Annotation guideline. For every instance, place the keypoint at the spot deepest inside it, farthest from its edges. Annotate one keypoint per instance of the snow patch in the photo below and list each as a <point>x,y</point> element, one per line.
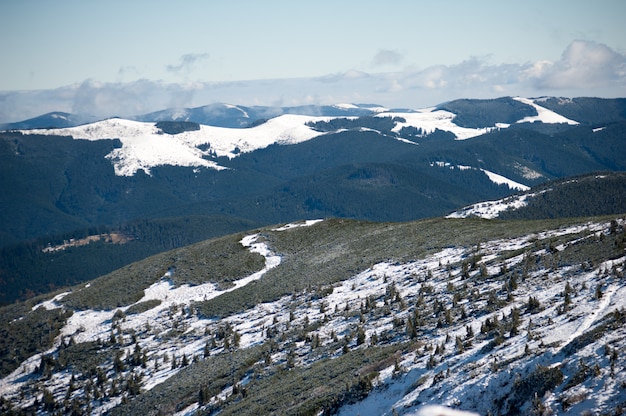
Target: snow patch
<point>346,106</point>
<point>434,410</point>
<point>432,119</point>
<point>307,223</point>
<point>494,177</point>
<point>234,107</point>
<point>543,114</point>
<point>500,180</point>
<point>52,303</point>
<point>492,209</point>
<point>144,146</point>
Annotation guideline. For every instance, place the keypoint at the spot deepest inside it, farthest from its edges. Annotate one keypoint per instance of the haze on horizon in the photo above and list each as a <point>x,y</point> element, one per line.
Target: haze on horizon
<point>126,58</point>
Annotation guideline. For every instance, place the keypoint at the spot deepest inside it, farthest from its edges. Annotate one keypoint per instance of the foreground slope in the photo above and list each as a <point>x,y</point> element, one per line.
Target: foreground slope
<point>338,316</point>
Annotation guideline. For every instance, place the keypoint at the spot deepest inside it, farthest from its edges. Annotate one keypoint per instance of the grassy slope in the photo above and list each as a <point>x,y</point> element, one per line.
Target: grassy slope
<point>312,258</point>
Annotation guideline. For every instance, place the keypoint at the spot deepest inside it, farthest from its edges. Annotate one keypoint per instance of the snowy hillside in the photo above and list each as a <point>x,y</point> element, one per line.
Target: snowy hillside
<point>354,318</point>
<point>594,194</point>
<point>144,146</point>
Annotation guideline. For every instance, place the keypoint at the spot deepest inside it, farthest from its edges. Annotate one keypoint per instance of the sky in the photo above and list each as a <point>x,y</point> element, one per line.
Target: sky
<point>131,57</point>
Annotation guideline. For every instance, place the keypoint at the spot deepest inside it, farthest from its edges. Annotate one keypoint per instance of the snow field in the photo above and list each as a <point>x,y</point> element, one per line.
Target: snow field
<point>543,114</point>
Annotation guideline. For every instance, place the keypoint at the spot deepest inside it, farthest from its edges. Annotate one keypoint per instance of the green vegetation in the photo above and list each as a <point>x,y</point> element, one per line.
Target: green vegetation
<point>175,127</point>
<point>533,386</point>
<point>47,271</point>
<point>382,124</point>
<point>24,332</point>
<point>603,193</point>
<point>296,364</point>
<point>221,260</point>
<point>481,113</point>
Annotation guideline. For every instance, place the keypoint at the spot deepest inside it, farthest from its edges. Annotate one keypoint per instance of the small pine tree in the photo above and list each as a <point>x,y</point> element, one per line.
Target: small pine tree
<point>598,293</point>
<point>360,337</point>
<point>410,329</point>
<point>470,332</point>
<point>533,304</point>
<point>459,345</point>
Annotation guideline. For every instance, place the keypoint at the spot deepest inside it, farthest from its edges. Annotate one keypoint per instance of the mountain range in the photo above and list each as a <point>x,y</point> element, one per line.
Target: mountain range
<point>467,258</point>
<point>174,180</point>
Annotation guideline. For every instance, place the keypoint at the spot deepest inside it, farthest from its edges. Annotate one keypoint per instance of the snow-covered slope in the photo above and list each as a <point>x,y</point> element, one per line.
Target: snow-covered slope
<point>144,146</point>
<point>504,325</point>
<point>493,177</point>
<point>491,209</point>
<point>431,119</point>
<point>593,194</point>
<point>543,114</point>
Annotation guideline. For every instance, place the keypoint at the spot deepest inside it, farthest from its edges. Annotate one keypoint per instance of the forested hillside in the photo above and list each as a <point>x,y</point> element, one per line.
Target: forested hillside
<point>337,317</point>
<point>361,165</point>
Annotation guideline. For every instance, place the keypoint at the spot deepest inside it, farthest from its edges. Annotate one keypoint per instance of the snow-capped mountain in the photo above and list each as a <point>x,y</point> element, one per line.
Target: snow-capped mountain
<point>239,116</point>
<point>339,317</point>
<point>55,119</point>
<point>144,146</point>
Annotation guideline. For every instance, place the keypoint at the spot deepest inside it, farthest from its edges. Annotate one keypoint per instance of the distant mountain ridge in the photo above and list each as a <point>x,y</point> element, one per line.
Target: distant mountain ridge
<point>143,147</point>
<point>218,115</point>
<point>469,112</point>
<point>76,188</point>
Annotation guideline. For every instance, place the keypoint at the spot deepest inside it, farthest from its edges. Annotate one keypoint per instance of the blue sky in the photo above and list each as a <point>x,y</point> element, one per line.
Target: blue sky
<point>129,57</point>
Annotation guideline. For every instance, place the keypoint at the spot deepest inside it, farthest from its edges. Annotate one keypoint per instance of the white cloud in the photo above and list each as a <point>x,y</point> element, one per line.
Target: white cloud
<point>387,57</point>
<point>187,62</point>
<point>583,65</point>
<point>584,69</point>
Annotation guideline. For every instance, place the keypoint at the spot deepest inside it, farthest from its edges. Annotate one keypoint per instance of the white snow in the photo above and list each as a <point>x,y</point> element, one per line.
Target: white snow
<point>234,107</point>
<point>499,179</point>
<point>494,177</point>
<point>469,381</point>
<point>435,410</point>
<point>144,146</point>
<point>543,114</point>
<point>346,106</point>
<point>491,209</point>
<point>307,223</point>
<point>598,311</point>
<point>431,119</point>
<point>52,303</point>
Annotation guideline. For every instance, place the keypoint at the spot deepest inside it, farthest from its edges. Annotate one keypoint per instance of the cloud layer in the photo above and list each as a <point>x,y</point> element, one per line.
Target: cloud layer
<point>583,64</point>
<point>584,69</point>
